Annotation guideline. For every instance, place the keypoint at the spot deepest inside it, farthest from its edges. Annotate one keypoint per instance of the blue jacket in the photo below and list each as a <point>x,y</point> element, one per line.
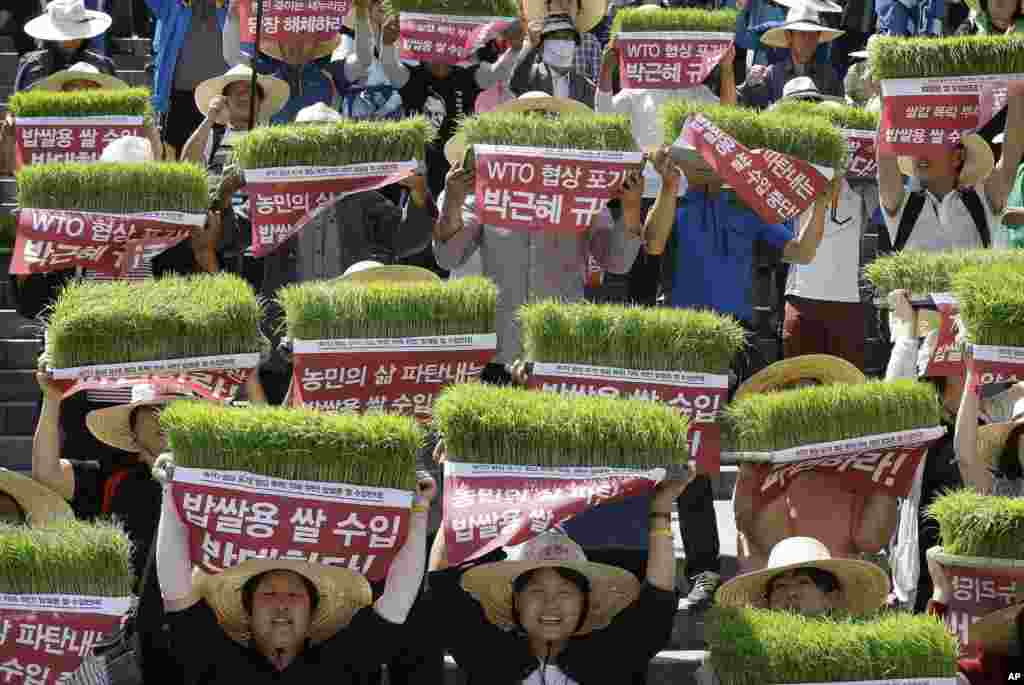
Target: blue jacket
<point>173,22</point>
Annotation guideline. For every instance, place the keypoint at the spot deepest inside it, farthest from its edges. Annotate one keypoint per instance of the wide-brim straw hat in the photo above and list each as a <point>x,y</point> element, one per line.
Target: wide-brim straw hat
<point>112,425</point>
<point>816,5</point>
<point>275,91</point>
<point>800,18</point>
<point>533,101</point>
<point>342,592</point>
<point>272,48</point>
<point>823,368</point>
<point>66,20</point>
<point>978,161</point>
<point>40,504</point>
<point>992,440</point>
<point>375,272</point>
<point>863,585</point>
<point>591,12</point>
<point>996,633</point>
<point>612,589</point>
<point>82,71</point>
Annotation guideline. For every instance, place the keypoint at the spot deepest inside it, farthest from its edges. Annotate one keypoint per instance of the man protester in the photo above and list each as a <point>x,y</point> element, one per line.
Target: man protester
<point>546,63</point>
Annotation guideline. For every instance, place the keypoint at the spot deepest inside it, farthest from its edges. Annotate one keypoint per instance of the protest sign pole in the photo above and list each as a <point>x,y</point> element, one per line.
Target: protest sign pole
<point>255,56</point>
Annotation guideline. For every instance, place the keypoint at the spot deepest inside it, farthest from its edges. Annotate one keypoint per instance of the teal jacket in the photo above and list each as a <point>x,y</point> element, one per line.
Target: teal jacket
<point>173,21</point>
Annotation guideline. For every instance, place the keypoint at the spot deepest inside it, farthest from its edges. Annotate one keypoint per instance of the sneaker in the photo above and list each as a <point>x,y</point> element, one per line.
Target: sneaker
<point>702,592</point>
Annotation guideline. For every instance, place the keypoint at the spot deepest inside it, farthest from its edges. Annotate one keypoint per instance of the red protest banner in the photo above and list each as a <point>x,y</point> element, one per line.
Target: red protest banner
<point>400,375</point>
<point>233,516</point>
<point>541,189</point>
<point>976,593</point>
<point>487,506</point>
<point>669,60</point>
<point>446,39</point>
<point>699,396</point>
<point>41,140</point>
<point>212,385</point>
<point>863,163</point>
<point>44,638</point>
<point>947,358</point>
<point>287,21</point>
<point>775,186</point>
<point>285,199</point>
<point>994,364</point>
<point>54,239</point>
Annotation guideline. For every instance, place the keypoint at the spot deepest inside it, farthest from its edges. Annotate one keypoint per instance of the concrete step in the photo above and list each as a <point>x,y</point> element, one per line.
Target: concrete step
<point>19,353</point>
<point>16,452</point>
<point>670,667</point>
<point>13,325</point>
<point>18,386</point>
<point>17,418</point>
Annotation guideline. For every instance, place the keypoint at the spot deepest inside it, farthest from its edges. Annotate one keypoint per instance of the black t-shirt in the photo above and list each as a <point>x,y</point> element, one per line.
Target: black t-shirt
<point>352,657</point>
<point>443,102</point>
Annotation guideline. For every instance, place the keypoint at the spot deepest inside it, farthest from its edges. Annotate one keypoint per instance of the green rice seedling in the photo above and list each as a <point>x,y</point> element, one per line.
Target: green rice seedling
<point>806,137</point>
<point>492,425</point>
<point>83,103</point>
<point>372,450</point>
<point>991,300</point>
<point>975,525</point>
<point>923,272</point>
<point>337,144</point>
<point>898,57</point>
<point>630,337</point>
<point>172,317</point>
<point>567,132</point>
<point>462,8</point>
<point>842,116</point>
<point>630,20</point>
<point>761,647</point>
<point>780,420</point>
<point>323,310</point>
<point>68,557</point>
<point>118,187</point>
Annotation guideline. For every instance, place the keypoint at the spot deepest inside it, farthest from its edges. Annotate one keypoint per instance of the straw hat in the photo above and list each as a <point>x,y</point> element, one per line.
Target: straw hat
<point>800,18</point>
<point>992,439</point>
<point>369,271</point>
<point>804,88</point>
<point>272,48</point>
<point>978,161</point>
<point>319,113</point>
<point>82,71</point>
<point>275,91</point>
<point>534,101</point>
<point>823,368</point>
<point>128,149</point>
<point>591,12</point>
<point>68,20</point>
<point>342,592</point>
<point>996,633</point>
<point>611,589</point>
<point>817,5</point>
<point>113,424</point>
<point>864,587</point>
<point>40,504</point>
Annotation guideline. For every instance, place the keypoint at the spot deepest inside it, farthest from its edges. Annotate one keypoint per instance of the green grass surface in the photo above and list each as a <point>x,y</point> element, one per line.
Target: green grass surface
<point>631,19</point>
<point>899,57</point>
<point>568,131</point>
<point>991,300</point>
<point>843,116</point>
<point>921,272</point>
<point>976,525</point>
<point>84,103</point>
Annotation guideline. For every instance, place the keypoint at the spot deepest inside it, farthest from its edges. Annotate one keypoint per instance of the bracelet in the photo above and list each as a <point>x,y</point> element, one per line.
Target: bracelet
<point>420,508</point>
<point>661,532</point>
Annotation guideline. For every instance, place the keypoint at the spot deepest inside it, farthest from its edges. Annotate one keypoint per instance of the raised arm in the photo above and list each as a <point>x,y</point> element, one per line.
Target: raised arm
<point>661,558</point>
<point>890,182</point>
<point>47,466</point>
<point>195,146</point>
<point>396,72</point>
<point>173,566</point>
<point>727,88</point>
<point>490,74</point>
<point>231,37</point>
<point>357,63</point>
<point>903,328</point>
<point>998,185</point>
<point>804,246</point>
<point>965,441</point>
<point>406,573</point>
<point>662,216</point>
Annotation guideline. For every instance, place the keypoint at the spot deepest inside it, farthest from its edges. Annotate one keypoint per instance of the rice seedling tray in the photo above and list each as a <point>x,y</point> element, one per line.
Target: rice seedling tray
<point>992,317</point>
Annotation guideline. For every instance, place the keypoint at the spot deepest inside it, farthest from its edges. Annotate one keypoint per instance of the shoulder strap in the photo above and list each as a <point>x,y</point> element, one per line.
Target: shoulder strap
<point>216,137</point>
<point>972,202</point>
<point>911,212</point>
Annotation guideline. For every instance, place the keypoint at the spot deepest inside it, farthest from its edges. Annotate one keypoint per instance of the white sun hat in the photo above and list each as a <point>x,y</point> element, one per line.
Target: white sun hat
<point>68,20</point>
<point>128,149</point>
<point>82,71</point>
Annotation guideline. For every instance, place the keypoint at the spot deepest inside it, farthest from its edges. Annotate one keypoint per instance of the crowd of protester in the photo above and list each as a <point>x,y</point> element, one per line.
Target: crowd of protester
<point>657,244</point>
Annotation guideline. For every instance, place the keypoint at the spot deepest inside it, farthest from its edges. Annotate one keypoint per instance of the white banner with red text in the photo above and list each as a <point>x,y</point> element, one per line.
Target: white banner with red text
<point>234,516</point>
<point>44,638</point>
<point>285,199</point>
<point>699,396</point>
<point>487,506</point>
<point>545,189</point>
<point>398,375</point>
<point>445,39</point>
<point>669,60</point>
<point>42,140</point>
<point>291,21</point>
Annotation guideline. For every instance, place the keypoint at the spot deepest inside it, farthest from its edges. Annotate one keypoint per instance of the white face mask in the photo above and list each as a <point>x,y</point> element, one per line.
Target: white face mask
<point>558,54</point>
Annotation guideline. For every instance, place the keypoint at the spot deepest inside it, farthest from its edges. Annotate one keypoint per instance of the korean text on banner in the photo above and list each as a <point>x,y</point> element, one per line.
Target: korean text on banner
<point>937,112</point>
<point>863,162</point>
<point>44,638</point>
<point>285,199</point>
<point>775,186</point>
<point>399,375</point>
<point>446,39</point>
<point>543,189</point>
<point>994,364</point>
<point>976,593</point>
<point>234,516</point>
<point>41,140</point>
<point>55,240</point>
<point>287,21</point>
<point>700,396</point>
<point>487,506</point>
<point>669,60</point>
<point>877,463</point>
<point>947,358</point>
<point>219,385</point>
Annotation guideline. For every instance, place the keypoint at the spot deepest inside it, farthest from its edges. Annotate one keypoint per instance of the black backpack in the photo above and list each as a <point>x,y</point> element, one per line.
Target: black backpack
<point>915,203</point>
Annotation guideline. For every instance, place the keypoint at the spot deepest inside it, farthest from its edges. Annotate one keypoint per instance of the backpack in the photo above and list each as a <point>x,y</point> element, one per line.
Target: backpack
<point>912,211</point>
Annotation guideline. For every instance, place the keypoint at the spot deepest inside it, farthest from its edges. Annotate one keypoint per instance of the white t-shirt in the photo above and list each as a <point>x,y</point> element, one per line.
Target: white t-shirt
<point>552,676</point>
<point>833,274</point>
<point>943,224</point>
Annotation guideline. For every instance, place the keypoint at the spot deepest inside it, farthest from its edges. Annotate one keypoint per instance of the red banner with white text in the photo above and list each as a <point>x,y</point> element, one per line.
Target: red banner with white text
<point>977,592</point>
<point>56,239</point>
<point>775,186</point>
<point>43,140</point>
<point>947,358</point>
<point>44,638</point>
<point>669,60</point>
<point>234,516</point>
<point>543,189</point>
<point>285,199</point>
<point>863,161</point>
<point>398,375</point>
<point>290,21</point>
<point>700,396</point>
<point>446,39</point>
<point>487,506</point>
<point>996,364</point>
<point>221,385</point>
